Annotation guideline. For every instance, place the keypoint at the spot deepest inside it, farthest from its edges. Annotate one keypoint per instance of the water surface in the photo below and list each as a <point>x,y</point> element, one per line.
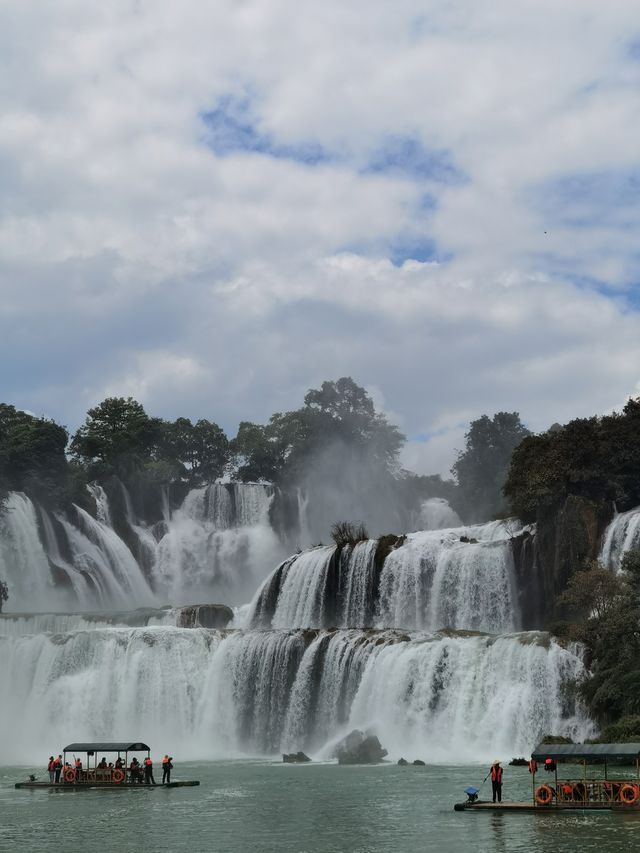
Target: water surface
<point>269,807</point>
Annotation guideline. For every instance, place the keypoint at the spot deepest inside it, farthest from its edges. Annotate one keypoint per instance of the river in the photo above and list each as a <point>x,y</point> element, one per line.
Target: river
<point>269,807</point>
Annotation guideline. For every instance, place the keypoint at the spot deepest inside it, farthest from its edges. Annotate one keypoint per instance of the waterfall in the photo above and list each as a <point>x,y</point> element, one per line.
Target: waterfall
<point>461,579</point>
<point>203,693</point>
<point>622,535</point>
<point>436,514</point>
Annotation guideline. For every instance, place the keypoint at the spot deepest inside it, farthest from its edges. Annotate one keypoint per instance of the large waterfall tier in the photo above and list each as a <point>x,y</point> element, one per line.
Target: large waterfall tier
<point>218,545</point>
<point>201,693</point>
<point>622,535</point>
<point>458,579</point>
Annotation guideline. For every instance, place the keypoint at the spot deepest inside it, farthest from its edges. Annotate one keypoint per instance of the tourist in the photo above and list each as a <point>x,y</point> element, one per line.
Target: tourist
<point>78,766</point>
<point>134,771</point>
<point>148,771</point>
<point>58,767</point>
<point>496,780</point>
<point>167,767</point>
<point>103,764</point>
<point>51,767</point>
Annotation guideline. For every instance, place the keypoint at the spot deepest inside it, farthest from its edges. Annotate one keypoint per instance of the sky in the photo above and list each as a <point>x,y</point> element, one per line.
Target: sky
<point>213,207</point>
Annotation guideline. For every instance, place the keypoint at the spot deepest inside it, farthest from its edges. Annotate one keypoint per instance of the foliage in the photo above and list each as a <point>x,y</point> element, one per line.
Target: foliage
<point>609,606</point>
<point>348,533</point>
<point>198,452</point>
<point>481,468</point>
<point>4,593</point>
<point>338,413</point>
<point>32,454</point>
<point>625,730</point>
<point>116,438</point>
<point>555,739</point>
<point>596,458</point>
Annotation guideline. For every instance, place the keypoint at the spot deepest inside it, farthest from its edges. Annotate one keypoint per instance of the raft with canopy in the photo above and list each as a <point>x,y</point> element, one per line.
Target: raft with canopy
<point>602,782</point>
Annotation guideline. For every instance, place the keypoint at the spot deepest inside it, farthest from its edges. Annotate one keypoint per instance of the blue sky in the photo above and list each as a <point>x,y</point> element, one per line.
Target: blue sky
<point>215,207</point>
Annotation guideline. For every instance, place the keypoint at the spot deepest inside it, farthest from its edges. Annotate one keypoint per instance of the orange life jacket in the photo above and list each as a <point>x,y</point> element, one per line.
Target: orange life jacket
<point>57,763</point>
<point>51,765</point>
<point>496,773</point>
<point>78,763</point>
<point>165,760</point>
<point>148,762</point>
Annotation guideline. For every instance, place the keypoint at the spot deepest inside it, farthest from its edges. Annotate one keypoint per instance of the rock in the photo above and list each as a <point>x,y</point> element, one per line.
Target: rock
<point>359,748</point>
<point>403,762</point>
<point>215,616</point>
<point>295,758</point>
<point>518,762</point>
<point>419,763</point>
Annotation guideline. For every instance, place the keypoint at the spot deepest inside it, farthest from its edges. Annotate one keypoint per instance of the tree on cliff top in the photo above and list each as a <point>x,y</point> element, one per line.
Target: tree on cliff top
<point>32,455</point>
<point>595,458</point>
<point>116,438</point>
<point>338,413</point>
<point>481,468</point>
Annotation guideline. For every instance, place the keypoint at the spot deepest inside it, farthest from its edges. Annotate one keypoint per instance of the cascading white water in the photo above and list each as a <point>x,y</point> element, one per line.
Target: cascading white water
<point>460,578</point>
<point>217,545</point>
<point>622,535</point>
<point>435,580</point>
<point>203,694</point>
<point>23,562</point>
<point>436,514</point>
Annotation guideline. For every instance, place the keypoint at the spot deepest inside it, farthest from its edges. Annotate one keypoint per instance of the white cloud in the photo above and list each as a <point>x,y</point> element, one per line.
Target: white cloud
<point>135,259</point>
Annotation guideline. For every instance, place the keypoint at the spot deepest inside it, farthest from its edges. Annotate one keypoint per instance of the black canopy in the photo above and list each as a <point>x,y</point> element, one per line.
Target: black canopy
<point>107,747</point>
<point>586,751</point>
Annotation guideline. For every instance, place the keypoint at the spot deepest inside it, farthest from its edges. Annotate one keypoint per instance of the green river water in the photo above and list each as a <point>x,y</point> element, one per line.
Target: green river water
<point>244,806</point>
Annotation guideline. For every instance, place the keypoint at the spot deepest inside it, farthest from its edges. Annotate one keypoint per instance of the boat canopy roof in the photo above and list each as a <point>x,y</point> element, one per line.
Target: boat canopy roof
<point>586,751</point>
<point>107,747</point>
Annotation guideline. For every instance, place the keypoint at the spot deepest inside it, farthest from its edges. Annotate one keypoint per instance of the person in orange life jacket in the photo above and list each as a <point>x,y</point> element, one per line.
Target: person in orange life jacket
<point>57,766</point>
<point>78,764</point>
<point>496,781</point>
<point>134,770</point>
<point>167,767</point>
<point>51,767</point>
<point>148,771</point>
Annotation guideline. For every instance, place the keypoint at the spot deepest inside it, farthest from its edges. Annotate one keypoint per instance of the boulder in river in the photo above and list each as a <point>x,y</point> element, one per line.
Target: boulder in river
<point>204,616</point>
<point>518,762</point>
<point>402,762</point>
<point>419,763</point>
<point>295,758</point>
<point>359,748</point>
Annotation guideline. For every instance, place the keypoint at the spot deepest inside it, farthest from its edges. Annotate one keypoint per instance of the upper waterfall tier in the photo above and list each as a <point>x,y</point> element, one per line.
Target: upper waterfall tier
<point>622,535</point>
<point>461,579</point>
<point>217,545</point>
<point>202,694</point>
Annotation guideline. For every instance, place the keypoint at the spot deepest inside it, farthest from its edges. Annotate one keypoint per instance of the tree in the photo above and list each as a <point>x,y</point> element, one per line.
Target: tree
<point>4,593</point>
<point>481,468</point>
<point>198,451</point>
<point>32,454</point>
<point>117,438</point>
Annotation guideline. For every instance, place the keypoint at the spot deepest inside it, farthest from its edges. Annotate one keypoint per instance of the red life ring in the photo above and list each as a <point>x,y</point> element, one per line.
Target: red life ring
<point>629,794</point>
<point>117,776</point>
<point>544,795</point>
<point>69,775</point>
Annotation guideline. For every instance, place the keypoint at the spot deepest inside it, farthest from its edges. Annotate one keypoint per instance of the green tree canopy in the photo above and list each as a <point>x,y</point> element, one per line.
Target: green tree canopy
<point>596,458</point>
<point>32,454</point>
<point>339,411</point>
<point>198,452</point>
<point>117,438</point>
<point>481,468</point>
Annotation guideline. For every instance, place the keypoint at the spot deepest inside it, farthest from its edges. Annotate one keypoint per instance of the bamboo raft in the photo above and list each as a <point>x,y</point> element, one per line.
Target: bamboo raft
<point>88,786</point>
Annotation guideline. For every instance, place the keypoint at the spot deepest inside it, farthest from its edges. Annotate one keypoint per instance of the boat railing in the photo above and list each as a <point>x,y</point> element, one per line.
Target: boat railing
<point>593,791</point>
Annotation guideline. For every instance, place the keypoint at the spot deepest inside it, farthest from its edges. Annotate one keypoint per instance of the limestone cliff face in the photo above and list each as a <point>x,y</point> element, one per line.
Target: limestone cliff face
<point>565,538</point>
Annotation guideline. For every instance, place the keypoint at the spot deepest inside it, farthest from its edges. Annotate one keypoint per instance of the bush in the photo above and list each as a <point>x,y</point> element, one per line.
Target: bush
<point>348,533</point>
<point>626,730</point>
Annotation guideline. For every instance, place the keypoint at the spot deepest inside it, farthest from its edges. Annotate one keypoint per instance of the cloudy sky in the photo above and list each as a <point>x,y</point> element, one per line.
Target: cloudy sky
<point>213,206</point>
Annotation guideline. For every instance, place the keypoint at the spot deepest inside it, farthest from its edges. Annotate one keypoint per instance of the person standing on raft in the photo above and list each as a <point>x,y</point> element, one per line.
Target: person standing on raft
<point>496,781</point>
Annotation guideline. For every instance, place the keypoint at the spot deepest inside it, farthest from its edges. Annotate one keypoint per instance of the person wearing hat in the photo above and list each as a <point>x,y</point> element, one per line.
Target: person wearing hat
<point>496,780</point>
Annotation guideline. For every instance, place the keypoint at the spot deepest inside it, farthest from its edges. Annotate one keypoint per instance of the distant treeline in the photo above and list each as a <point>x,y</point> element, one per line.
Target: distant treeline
<point>502,469</point>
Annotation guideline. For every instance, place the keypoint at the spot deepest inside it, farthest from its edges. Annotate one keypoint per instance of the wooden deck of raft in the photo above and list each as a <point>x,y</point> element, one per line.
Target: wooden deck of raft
<point>530,807</point>
<point>67,786</point>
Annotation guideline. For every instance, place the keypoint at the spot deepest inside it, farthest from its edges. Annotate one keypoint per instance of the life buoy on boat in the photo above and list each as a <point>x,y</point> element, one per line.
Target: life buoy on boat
<point>629,794</point>
<point>117,776</point>
<point>544,795</point>
<point>69,775</point>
